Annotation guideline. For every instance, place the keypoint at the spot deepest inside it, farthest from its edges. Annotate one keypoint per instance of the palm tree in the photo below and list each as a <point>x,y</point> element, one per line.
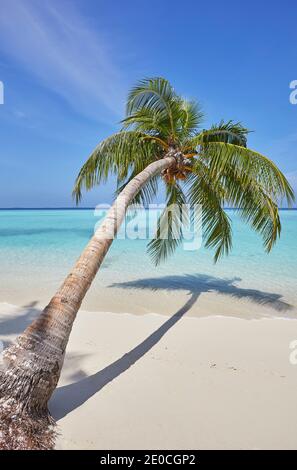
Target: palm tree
<point>160,141</point>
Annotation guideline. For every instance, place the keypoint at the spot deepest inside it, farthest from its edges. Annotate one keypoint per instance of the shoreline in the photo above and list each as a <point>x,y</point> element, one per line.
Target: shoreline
<point>163,297</point>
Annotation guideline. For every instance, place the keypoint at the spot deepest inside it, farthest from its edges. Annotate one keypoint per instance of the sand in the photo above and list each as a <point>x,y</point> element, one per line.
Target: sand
<point>203,378</point>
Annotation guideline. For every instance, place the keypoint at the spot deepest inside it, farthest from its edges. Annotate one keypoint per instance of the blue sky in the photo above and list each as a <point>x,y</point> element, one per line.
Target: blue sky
<point>67,65</point>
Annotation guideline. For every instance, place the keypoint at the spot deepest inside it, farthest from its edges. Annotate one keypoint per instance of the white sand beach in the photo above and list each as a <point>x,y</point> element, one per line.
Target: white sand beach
<point>180,381</point>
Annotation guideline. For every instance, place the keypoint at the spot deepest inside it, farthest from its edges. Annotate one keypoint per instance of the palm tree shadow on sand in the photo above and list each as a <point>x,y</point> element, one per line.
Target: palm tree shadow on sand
<point>16,322</point>
<point>69,397</point>
<point>201,283</point>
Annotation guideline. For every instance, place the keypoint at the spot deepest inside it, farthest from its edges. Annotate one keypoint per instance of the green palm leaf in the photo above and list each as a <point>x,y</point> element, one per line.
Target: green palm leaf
<point>228,132</point>
<point>120,154</point>
<point>240,190</point>
<point>209,195</point>
<point>220,156</point>
<point>169,226</point>
<point>191,117</point>
<point>157,95</point>
<point>148,120</point>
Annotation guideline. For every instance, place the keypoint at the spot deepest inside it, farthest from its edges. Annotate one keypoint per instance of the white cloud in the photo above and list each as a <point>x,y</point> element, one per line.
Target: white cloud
<point>53,41</point>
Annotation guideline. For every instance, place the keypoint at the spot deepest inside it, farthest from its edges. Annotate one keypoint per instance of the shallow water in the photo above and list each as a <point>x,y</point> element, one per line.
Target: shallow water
<point>38,247</point>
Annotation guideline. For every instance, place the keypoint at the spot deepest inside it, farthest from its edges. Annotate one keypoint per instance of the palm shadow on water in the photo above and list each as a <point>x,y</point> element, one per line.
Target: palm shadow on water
<point>69,397</point>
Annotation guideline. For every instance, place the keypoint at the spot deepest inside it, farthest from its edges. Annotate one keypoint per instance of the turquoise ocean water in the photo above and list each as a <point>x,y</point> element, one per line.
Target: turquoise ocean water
<point>38,247</point>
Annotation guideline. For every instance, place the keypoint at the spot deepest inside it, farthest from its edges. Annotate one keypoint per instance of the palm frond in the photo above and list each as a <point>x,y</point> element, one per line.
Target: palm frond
<point>228,132</point>
<point>262,214</point>
<point>157,95</point>
<point>169,225</point>
<point>119,154</point>
<point>246,194</point>
<point>220,156</point>
<point>253,204</point>
<point>191,117</point>
<point>216,224</point>
<point>150,121</point>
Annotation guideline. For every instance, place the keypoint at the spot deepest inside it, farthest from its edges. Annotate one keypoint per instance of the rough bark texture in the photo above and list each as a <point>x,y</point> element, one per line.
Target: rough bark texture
<point>31,367</point>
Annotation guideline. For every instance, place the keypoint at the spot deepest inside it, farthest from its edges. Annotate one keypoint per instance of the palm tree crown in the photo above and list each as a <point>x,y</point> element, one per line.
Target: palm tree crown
<point>214,168</point>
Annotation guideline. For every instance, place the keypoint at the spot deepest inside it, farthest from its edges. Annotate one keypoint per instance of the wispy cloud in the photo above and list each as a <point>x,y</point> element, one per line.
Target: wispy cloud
<point>55,43</point>
<point>19,114</point>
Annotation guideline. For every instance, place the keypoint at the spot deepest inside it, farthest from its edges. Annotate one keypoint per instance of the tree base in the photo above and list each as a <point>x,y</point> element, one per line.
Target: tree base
<point>29,374</point>
<point>22,430</point>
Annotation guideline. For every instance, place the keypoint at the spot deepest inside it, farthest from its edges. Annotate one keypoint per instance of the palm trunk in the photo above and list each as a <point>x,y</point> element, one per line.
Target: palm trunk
<point>31,367</point>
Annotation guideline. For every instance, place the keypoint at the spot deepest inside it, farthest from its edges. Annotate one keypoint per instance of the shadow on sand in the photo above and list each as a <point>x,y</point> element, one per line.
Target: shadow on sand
<point>15,323</point>
<point>200,283</point>
<point>69,397</point>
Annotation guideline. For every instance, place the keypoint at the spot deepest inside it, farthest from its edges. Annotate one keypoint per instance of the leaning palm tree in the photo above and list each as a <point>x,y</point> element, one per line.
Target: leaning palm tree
<point>161,140</point>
